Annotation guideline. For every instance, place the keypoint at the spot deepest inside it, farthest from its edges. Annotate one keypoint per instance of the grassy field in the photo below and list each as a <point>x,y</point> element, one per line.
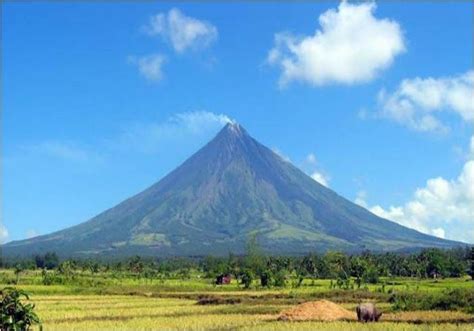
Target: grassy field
<point>101,302</point>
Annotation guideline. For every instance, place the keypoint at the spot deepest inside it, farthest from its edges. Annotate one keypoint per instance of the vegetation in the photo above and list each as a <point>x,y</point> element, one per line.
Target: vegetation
<point>196,303</point>
<point>430,286</point>
<point>14,314</point>
<point>346,271</point>
<point>119,312</point>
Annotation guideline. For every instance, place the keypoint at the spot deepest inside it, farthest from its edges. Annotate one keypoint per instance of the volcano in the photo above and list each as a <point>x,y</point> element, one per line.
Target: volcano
<point>230,189</point>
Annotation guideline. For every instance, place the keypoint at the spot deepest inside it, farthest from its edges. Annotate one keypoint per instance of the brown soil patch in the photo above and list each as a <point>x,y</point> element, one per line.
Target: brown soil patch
<point>322,310</point>
<point>216,300</point>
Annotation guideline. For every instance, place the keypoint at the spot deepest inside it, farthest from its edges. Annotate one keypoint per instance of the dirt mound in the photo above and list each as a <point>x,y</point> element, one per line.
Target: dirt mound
<point>322,310</point>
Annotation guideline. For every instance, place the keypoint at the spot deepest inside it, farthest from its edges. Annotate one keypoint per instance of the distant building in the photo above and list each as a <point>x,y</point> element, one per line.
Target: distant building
<point>223,279</point>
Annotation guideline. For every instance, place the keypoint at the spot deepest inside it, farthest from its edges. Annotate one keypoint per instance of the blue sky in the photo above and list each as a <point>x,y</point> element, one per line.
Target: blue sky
<point>100,100</point>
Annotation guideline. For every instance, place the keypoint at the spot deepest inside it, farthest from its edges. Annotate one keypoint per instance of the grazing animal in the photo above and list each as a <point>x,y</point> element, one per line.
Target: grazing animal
<point>366,312</point>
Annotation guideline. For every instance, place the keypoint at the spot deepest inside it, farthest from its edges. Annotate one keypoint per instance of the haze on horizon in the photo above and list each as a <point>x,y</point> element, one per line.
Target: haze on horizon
<point>373,101</point>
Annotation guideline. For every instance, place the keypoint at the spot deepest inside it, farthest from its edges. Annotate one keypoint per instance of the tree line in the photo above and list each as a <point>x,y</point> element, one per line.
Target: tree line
<point>255,266</point>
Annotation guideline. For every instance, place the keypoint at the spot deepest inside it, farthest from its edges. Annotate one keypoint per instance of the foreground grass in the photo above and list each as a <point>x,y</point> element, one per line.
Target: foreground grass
<point>119,312</point>
<point>171,304</point>
<point>343,326</point>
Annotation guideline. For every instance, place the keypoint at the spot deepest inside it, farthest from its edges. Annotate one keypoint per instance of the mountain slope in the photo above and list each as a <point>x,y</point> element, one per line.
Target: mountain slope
<point>232,187</point>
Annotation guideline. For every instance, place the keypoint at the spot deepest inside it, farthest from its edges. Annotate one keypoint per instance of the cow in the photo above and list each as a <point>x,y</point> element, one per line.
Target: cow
<point>366,312</point>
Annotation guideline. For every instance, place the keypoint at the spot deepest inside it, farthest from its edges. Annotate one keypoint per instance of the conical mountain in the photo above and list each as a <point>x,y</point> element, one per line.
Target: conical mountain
<point>231,188</point>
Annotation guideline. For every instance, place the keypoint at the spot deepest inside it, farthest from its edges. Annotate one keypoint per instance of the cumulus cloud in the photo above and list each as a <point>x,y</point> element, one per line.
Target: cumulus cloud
<point>188,126</point>
<point>351,46</point>
<point>281,154</point>
<point>361,199</point>
<point>417,102</point>
<point>150,66</point>
<point>320,178</point>
<point>309,165</point>
<point>442,207</point>
<point>312,167</point>
<point>438,232</point>
<point>183,32</point>
<point>3,234</point>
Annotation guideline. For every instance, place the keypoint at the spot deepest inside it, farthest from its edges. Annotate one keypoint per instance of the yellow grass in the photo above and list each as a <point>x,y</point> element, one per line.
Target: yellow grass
<point>96,312</point>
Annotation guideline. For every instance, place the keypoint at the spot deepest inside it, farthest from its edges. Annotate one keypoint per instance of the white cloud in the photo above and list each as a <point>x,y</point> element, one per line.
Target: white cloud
<point>320,178</point>
<point>416,102</point>
<point>442,207</point>
<point>352,46</point>
<point>438,232</point>
<point>188,126</point>
<point>183,32</point>
<point>150,66</point>
<point>312,168</point>
<point>361,199</point>
<point>3,234</point>
<point>281,154</point>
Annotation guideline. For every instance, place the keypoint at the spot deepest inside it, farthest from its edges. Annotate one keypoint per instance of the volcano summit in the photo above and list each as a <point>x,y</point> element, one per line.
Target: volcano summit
<point>231,188</point>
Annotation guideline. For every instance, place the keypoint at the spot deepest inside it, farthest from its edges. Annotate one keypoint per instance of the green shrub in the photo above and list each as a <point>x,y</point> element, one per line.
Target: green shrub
<point>51,278</point>
<point>370,275</point>
<point>265,279</point>
<point>14,314</point>
<point>453,299</point>
<point>246,278</point>
<point>279,279</point>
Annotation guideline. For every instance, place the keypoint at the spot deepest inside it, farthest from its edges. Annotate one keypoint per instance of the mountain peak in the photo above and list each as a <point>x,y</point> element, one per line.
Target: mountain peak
<point>233,131</point>
<point>234,127</point>
<point>231,188</point>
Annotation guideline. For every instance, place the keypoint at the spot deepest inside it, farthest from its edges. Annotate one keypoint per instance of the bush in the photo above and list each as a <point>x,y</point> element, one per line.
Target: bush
<point>265,278</point>
<point>405,301</point>
<point>52,278</point>
<point>246,278</point>
<point>279,279</point>
<point>370,276</point>
<point>14,314</point>
<point>51,260</point>
<point>454,299</point>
